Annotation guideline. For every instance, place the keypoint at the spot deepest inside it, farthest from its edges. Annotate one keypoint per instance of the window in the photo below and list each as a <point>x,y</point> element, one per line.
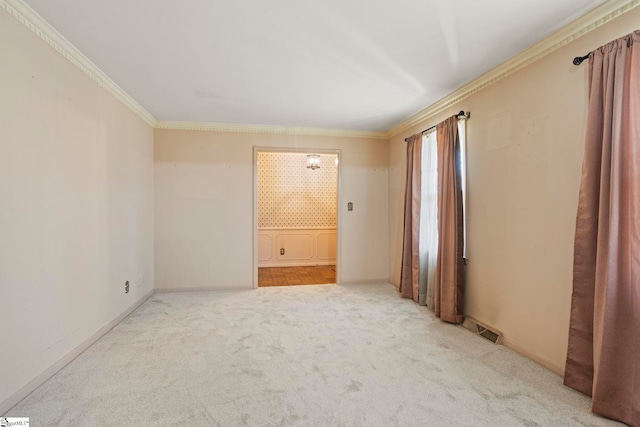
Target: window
<point>429,211</point>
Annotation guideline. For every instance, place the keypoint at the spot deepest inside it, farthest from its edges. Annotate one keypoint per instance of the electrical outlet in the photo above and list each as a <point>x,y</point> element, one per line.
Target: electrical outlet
<point>281,251</point>
<point>126,287</point>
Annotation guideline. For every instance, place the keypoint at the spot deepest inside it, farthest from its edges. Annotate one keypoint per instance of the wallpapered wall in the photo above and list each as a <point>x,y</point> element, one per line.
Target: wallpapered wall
<point>291,195</point>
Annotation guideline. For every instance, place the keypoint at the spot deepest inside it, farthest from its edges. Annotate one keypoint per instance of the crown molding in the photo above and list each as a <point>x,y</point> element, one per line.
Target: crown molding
<point>30,19</point>
<point>277,130</point>
<point>589,22</point>
<point>34,22</point>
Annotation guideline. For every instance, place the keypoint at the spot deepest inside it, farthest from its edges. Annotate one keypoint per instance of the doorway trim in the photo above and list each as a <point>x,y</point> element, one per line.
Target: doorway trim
<point>299,150</point>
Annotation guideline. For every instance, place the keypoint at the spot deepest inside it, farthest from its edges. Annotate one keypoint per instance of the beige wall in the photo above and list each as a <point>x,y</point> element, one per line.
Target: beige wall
<point>204,206</point>
<point>525,143</point>
<point>76,207</point>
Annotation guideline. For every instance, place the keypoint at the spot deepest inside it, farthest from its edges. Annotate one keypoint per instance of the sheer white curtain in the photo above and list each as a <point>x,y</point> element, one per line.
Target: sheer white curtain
<point>428,220</point>
<point>462,134</point>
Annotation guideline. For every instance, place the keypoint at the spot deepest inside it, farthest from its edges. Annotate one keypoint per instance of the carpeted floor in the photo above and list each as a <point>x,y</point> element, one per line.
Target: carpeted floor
<point>299,356</point>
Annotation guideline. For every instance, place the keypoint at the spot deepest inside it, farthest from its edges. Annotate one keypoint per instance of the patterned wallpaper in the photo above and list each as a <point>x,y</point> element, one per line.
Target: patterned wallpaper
<point>290,195</point>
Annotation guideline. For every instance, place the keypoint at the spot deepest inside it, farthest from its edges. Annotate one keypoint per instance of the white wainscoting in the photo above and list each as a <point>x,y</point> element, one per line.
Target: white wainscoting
<point>302,246</point>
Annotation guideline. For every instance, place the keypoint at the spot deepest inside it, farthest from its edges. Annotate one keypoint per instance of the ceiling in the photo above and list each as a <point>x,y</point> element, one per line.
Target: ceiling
<point>334,64</point>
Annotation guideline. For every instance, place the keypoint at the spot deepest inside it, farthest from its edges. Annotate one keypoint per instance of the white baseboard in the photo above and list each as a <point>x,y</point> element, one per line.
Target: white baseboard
<point>529,355</point>
<point>14,399</point>
<point>203,289</point>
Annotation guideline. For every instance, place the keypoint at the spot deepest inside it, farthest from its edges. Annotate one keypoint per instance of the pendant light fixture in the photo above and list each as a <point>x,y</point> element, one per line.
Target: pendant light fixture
<point>313,161</point>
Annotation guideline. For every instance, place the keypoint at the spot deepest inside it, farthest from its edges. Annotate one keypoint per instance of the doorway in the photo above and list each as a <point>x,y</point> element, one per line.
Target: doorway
<point>296,225</point>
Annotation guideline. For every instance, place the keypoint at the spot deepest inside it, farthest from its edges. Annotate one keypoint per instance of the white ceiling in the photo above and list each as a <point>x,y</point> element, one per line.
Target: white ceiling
<point>336,64</point>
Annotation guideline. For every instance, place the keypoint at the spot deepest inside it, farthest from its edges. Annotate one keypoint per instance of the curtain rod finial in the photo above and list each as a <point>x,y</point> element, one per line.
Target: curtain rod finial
<point>464,115</point>
<point>580,59</point>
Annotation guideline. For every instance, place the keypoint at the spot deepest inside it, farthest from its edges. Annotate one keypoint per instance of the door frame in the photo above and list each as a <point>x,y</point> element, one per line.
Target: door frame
<point>299,150</point>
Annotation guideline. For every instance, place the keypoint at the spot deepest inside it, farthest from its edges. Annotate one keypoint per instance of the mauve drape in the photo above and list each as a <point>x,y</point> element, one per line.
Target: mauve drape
<point>410,273</point>
<point>449,282</point>
<point>603,358</point>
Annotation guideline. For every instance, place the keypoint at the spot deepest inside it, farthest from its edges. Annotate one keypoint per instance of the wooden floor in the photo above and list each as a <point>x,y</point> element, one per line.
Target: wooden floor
<point>291,276</point>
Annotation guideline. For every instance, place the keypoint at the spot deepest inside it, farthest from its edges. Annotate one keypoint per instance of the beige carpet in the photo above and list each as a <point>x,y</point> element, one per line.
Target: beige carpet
<point>299,356</point>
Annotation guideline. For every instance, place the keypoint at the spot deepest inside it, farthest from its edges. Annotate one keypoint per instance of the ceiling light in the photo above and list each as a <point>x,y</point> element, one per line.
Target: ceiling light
<point>313,161</point>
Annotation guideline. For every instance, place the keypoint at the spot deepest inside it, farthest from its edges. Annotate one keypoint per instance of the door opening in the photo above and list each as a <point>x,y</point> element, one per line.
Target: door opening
<point>296,224</point>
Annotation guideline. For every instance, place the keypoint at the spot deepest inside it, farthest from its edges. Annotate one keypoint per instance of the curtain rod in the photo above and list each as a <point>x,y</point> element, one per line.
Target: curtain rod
<point>579,59</point>
<point>461,115</point>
